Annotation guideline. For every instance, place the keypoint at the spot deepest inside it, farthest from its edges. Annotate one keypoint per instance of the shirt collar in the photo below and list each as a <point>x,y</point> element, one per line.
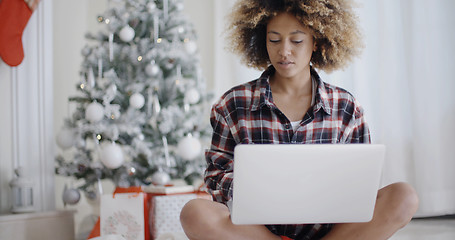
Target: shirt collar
<point>262,95</point>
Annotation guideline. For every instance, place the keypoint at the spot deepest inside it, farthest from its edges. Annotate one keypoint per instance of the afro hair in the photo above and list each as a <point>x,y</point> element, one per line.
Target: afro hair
<point>333,22</point>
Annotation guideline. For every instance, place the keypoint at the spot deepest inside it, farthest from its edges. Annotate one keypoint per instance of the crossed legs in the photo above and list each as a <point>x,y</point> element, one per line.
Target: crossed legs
<point>395,206</point>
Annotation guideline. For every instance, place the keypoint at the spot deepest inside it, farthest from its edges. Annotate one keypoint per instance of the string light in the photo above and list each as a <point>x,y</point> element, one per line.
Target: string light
<point>98,137</point>
<point>159,40</point>
<point>139,58</point>
<point>82,86</point>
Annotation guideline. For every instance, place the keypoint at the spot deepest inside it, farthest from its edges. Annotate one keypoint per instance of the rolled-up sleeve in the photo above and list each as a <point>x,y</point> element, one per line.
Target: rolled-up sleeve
<point>359,131</point>
<point>220,163</point>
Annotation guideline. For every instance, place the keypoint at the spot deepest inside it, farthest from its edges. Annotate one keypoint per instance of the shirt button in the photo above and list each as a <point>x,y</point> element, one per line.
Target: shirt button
<point>288,126</point>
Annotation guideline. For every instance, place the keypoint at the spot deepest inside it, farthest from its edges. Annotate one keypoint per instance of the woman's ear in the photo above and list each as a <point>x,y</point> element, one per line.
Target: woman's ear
<point>315,46</point>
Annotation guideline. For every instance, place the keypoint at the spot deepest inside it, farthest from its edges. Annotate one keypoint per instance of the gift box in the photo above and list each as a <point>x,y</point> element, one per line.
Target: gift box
<point>125,213</point>
<point>166,203</point>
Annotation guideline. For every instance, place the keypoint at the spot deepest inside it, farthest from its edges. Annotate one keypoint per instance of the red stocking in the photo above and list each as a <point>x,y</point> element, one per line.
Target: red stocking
<point>14,15</point>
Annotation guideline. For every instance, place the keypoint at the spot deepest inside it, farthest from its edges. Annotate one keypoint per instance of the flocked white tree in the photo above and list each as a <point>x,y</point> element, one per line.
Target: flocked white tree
<point>140,115</point>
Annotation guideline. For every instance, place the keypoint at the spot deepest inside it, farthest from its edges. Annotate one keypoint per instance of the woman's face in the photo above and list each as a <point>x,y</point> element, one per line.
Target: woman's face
<point>289,45</point>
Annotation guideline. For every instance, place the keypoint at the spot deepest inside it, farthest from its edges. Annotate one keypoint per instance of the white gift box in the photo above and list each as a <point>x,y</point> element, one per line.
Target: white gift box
<point>165,214</point>
<point>123,214</point>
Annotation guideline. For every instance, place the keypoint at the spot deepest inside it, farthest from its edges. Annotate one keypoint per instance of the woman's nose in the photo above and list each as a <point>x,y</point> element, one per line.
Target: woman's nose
<point>285,49</point>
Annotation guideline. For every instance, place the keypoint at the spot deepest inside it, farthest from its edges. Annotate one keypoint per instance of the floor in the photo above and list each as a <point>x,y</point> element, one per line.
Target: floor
<point>442,228</point>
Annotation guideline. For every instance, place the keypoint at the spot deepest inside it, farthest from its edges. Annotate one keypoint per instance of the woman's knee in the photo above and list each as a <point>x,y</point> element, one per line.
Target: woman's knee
<point>200,215</point>
<point>191,212</point>
<point>402,201</point>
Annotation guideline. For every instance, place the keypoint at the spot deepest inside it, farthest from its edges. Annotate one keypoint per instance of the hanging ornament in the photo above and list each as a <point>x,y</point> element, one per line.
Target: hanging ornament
<point>190,46</point>
<point>151,6</point>
<point>179,6</point>
<point>111,156</point>
<point>131,171</point>
<point>127,33</point>
<point>70,196</point>
<point>156,27</point>
<point>160,177</point>
<point>137,101</point>
<point>94,112</point>
<point>91,79</point>
<point>156,105</point>
<point>111,47</point>
<point>189,147</point>
<point>100,68</point>
<point>65,138</point>
<point>156,110</point>
<point>192,96</point>
<point>152,69</point>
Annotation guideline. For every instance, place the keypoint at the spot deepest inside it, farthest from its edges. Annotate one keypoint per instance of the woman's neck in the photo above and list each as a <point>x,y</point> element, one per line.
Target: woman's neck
<point>296,86</point>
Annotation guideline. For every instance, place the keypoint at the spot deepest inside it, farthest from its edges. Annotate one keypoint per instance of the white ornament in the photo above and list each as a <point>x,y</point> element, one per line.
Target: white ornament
<point>111,156</point>
<point>137,101</point>
<point>192,96</point>
<point>65,138</point>
<point>189,147</point>
<point>71,196</point>
<point>151,6</point>
<point>152,69</point>
<point>179,6</point>
<point>190,47</point>
<point>160,178</point>
<point>127,33</point>
<point>94,112</point>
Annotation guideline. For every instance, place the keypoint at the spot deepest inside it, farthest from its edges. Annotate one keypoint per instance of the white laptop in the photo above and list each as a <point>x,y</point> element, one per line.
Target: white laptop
<point>305,183</point>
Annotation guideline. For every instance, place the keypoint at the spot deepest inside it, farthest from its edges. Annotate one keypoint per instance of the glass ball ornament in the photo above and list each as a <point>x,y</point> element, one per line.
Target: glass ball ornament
<point>111,156</point>
<point>127,33</point>
<point>65,138</point>
<point>160,178</point>
<point>179,6</point>
<point>71,196</point>
<point>131,171</point>
<point>94,112</point>
<point>137,101</point>
<point>152,69</point>
<point>189,147</point>
<point>192,96</point>
<point>151,6</point>
<point>190,47</point>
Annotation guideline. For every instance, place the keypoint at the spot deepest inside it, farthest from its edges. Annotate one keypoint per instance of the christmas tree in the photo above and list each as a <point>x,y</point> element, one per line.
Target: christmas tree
<point>140,115</point>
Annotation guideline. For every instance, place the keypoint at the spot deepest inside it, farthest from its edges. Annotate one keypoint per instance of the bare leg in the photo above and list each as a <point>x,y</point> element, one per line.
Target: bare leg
<point>204,219</point>
<point>395,206</point>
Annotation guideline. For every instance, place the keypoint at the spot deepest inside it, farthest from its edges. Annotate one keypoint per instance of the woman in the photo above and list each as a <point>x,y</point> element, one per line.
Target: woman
<point>289,103</point>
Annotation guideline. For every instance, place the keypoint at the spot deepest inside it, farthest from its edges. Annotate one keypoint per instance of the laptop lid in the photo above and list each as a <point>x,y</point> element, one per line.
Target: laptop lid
<point>305,183</point>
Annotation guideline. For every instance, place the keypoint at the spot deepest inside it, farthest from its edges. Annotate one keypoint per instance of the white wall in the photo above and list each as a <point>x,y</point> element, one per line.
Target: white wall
<point>72,19</point>
<point>26,114</point>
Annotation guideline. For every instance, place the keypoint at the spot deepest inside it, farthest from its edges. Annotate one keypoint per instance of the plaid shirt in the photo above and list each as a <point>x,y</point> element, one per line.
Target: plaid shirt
<point>246,114</point>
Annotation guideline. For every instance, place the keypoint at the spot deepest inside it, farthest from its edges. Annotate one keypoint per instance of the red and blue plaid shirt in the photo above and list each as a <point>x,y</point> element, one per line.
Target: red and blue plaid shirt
<point>246,114</point>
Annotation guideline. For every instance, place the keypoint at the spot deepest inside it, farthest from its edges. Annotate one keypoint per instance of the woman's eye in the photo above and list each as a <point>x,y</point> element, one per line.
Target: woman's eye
<point>274,40</point>
<point>297,41</point>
